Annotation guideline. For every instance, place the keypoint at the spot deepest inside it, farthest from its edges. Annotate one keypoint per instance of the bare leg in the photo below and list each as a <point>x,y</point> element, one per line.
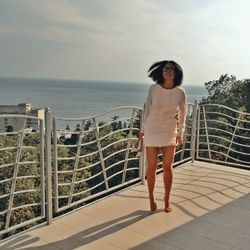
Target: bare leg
<point>167,162</point>
<point>152,158</point>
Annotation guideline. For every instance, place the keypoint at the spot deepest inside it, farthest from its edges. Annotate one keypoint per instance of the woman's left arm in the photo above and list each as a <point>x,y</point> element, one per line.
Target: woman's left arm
<point>182,115</point>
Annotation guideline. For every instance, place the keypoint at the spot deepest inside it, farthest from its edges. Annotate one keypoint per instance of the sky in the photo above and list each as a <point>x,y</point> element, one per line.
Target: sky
<point>118,40</point>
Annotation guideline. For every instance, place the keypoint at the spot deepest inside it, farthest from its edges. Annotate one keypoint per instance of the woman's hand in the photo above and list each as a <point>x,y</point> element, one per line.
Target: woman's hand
<point>141,135</point>
<point>179,140</point>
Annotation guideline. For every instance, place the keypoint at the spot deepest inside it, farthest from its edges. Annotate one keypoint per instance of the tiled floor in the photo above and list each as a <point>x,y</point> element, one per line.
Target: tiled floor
<point>211,210</point>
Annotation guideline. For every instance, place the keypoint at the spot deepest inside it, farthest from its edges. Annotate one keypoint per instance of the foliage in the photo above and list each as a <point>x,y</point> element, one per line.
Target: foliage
<point>223,139</point>
<point>230,92</point>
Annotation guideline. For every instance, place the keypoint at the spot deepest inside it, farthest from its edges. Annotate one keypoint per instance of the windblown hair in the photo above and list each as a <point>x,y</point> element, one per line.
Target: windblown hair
<point>155,72</point>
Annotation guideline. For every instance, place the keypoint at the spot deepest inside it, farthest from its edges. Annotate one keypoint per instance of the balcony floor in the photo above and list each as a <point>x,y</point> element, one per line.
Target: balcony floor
<point>211,210</point>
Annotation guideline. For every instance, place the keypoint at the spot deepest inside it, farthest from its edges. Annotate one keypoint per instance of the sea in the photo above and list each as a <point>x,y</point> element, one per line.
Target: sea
<point>80,98</point>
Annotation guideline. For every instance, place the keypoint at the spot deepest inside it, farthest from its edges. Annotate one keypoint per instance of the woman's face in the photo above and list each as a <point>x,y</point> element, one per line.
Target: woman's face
<point>168,71</point>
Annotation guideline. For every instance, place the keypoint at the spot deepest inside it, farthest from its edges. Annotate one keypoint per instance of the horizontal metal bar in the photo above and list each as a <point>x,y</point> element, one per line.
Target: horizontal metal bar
<point>220,145</point>
<point>218,121</point>
<point>115,121</point>
<point>98,194</point>
<point>97,115</point>
<point>220,137</point>
<point>115,153</point>
<point>26,205</point>
<point>3,212</point>
<point>27,191</point>
<point>16,147</point>
<point>27,176</point>
<point>114,132</point>
<point>225,115</point>
<point>219,105</point>
<point>82,192</point>
<point>224,131</point>
<point>115,142</point>
<point>79,169</point>
<point>237,160</point>
<point>4,196</point>
<point>83,180</point>
<point>73,157</point>
<point>223,162</point>
<point>6,180</point>
<point>20,192</point>
<point>22,224</point>
<point>185,149</point>
<point>130,169</point>
<point>7,165</point>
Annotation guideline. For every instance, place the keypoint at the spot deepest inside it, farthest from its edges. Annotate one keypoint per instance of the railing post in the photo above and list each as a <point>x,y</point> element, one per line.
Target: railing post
<point>48,165</point>
<point>143,159</point>
<point>233,135</point>
<point>128,146</point>
<point>193,133</point>
<point>55,166</point>
<point>206,130</point>
<point>198,132</point>
<point>97,134</point>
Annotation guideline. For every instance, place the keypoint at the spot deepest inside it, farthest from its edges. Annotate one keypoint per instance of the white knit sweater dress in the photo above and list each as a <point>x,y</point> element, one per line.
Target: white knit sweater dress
<point>159,119</point>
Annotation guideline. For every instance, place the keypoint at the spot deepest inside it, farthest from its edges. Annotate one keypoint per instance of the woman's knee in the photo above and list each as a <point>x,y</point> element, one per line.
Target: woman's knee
<point>167,167</point>
<point>152,166</point>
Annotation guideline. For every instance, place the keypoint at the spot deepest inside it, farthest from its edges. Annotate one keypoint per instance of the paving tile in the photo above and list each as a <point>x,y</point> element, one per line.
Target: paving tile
<point>155,245</point>
<point>219,198</point>
<point>189,241</point>
<point>242,202</point>
<point>241,213</point>
<point>230,237</point>
<point>208,183</point>
<point>231,193</point>
<point>26,241</point>
<point>198,227</point>
<point>234,177</point>
<point>243,189</point>
<point>193,208</point>
<point>89,243</point>
<point>227,222</point>
<point>211,209</point>
<point>125,239</point>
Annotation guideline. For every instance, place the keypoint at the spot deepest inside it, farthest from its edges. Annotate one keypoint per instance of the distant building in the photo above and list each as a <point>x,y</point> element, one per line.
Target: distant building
<point>17,123</point>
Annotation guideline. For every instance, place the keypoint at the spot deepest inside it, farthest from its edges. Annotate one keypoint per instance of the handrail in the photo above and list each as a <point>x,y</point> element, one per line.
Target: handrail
<point>96,115</point>
<point>88,164</point>
<point>226,136</point>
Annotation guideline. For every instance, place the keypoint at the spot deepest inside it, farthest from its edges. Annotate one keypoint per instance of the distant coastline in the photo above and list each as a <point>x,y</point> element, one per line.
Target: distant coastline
<point>78,98</point>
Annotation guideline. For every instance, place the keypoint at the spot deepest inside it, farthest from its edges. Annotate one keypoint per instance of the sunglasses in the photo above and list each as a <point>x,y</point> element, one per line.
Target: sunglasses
<point>168,69</point>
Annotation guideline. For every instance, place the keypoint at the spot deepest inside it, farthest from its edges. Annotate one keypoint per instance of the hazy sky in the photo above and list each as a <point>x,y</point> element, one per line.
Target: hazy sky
<point>119,39</point>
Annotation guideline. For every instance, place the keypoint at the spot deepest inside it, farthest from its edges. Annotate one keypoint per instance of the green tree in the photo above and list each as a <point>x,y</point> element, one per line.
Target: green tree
<point>229,91</point>
<point>226,142</point>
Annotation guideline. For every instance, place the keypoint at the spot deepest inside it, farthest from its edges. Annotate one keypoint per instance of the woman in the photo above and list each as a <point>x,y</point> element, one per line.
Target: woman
<point>159,127</point>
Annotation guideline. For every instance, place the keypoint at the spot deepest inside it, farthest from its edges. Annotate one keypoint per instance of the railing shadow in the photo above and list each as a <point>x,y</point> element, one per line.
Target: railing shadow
<point>82,238</point>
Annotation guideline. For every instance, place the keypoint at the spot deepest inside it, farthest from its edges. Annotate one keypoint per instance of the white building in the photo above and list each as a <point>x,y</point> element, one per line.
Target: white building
<point>17,123</point>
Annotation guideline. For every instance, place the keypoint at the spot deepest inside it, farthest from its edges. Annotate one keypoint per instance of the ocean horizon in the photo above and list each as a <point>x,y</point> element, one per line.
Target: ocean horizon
<point>80,98</point>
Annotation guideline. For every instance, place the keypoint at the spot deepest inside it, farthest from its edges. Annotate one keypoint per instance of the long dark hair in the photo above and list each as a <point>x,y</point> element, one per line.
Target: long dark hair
<point>155,72</point>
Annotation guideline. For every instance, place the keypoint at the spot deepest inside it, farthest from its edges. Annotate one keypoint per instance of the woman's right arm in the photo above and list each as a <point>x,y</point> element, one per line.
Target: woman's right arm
<point>146,110</point>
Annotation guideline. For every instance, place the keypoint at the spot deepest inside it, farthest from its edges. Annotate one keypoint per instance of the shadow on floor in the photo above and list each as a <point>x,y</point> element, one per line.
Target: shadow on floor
<point>82,238</point>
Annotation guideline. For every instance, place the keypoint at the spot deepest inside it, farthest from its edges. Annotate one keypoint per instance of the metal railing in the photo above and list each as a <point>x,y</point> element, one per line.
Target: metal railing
<point>223,135</point>
<point>96,159</point>
<point>75,166</point>
<point>99,159</point>
<point>48,172</point>
<point>22,182</point>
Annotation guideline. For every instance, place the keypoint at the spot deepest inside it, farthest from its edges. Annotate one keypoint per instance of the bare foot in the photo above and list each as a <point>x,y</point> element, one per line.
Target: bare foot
<point>168,208</point>
<point>153,206</point>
